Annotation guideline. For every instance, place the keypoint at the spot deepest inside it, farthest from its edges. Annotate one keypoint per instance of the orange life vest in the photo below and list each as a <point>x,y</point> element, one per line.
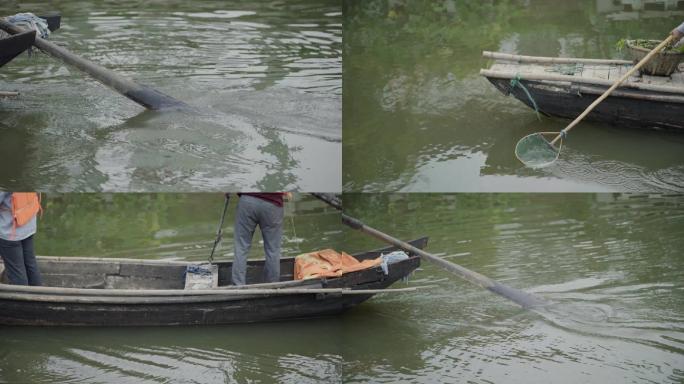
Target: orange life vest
<point>25,206</point>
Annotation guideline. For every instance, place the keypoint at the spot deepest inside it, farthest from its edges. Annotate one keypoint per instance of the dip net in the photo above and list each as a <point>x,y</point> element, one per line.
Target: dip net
<point>536,150</point>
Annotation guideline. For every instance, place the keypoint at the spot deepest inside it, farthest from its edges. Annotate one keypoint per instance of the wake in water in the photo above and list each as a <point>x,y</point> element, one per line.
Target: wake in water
<point>590,307</point>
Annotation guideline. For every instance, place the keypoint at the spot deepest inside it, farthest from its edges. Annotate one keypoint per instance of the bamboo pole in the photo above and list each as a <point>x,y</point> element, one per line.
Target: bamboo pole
<point>624,77</point>
<point>143,95</point>
<point>8,94</point>
<point>550,60</point>
<point>580,80</point>
<point>197,296</point>
<point>8,288</point>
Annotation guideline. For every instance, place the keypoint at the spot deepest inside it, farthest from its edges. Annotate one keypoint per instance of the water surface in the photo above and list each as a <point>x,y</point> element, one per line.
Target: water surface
<point>419,117</point>
<point>611,264</point>
<point>264,78</point>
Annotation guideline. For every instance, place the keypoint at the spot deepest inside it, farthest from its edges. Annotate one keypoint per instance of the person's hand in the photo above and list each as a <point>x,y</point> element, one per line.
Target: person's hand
<point>288,196</point>
<point>677,34</point>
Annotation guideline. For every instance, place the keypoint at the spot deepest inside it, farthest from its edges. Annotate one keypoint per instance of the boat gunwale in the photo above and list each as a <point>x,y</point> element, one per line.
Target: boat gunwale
<point>551,60</point>
<point>18,44</point>
<point>490,73</point>
<point>592,89</point>
<point>7,291</point>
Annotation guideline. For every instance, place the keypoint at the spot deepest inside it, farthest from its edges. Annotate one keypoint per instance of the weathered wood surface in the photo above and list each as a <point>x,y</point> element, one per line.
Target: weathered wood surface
<point>551,60</point>
<point>597,75</point>
<point>224,305</point>
<point>560,90</point>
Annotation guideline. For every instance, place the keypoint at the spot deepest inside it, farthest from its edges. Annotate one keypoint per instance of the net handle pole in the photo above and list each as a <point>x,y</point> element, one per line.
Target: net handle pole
<point>621,80</point>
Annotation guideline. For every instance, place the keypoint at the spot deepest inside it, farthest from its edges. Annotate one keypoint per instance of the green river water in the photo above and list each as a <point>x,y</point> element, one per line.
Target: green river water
<point>417,115</point>
<point>264,78</point>
<point>611,264</point>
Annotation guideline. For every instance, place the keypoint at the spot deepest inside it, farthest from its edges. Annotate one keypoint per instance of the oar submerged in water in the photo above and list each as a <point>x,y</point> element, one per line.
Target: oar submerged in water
<point>145,96</point>
<point>522,298</point>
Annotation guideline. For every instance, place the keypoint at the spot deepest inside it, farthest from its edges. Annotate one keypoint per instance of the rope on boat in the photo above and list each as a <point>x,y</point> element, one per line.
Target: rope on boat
<point>515,82</point>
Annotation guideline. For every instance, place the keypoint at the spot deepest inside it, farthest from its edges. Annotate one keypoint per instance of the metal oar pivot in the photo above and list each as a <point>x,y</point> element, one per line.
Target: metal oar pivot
<point>536,151</point>
<point>219,231</point>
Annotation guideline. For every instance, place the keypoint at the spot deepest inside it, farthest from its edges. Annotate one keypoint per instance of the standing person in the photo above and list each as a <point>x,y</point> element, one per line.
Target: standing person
<point>265,210</point>
<point>18,211</point>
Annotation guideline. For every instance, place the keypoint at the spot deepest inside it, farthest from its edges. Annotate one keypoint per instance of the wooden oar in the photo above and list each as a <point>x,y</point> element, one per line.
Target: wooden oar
<point>145,96</point>
<point>524,299</point>
<point>537,138</point>
<point>329,199</point>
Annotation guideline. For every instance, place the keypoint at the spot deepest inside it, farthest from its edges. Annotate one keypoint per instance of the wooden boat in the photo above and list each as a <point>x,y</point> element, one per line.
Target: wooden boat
<point>127,292</point>
<point>564,87</point>
<point>13,46</point>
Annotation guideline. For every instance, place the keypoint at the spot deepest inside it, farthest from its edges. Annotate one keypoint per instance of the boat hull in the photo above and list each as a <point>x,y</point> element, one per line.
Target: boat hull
<point>624,108</point>
<point>11,47</point>
<point>78,309</point>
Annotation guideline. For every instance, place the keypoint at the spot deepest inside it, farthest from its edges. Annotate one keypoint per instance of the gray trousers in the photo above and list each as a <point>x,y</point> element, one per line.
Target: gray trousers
<point>252,211</point>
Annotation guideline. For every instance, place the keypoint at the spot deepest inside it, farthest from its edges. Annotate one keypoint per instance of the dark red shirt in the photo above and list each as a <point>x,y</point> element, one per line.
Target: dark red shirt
<point>273,197</point>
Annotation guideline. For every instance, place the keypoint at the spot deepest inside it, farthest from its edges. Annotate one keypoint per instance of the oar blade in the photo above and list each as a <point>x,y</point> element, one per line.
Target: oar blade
<point>536,151</point>
<point>522,298</point>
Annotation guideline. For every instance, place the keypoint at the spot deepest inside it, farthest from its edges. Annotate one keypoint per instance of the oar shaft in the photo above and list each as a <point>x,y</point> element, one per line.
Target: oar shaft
<point>328,199</point>
<point>614,86</point>
<point>524,299</point>
<point>145,96</point>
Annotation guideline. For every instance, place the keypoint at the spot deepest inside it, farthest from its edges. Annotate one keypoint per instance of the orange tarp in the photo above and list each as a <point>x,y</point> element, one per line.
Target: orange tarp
<point>328,263</point>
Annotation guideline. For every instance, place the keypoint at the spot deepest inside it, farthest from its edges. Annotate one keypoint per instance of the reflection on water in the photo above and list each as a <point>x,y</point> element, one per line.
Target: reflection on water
<point>264,77</point>
<point>413,91</point>
<point>611,264</point>
<point>163,355</point>
<point>169,226</point>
